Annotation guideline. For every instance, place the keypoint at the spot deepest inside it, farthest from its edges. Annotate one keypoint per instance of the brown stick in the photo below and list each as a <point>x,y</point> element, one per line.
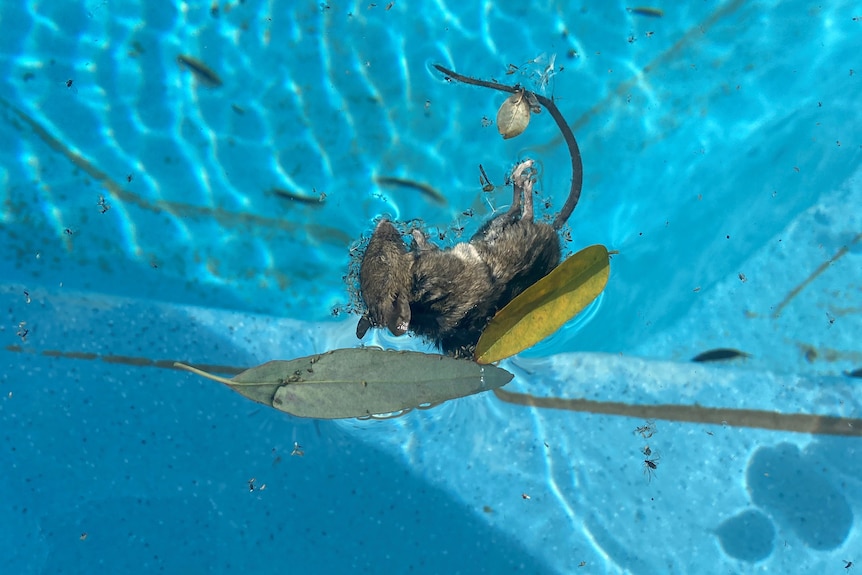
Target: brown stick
<point>568,136</point>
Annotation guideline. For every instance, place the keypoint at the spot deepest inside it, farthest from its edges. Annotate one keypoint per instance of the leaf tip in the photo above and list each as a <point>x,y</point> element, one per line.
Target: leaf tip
<point>202,373</point>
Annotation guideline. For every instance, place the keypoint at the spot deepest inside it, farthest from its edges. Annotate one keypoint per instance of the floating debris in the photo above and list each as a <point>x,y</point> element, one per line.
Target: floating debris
<point>487,186</point>
<point>720,354</point>
<point>647,430</point>
<point>202,73</point>
<point>426,189</point>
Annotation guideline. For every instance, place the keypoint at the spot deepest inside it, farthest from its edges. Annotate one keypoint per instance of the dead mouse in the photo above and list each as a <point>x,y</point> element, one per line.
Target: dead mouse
<point>449,295</point>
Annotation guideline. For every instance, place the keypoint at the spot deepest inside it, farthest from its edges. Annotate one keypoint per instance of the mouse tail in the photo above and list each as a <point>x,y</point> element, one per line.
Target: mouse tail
<point>568,136</point>
<point>574,154</point>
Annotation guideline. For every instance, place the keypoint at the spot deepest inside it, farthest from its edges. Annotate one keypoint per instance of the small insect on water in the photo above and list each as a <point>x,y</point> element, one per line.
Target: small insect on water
<point>650,465</point>
<point>23,331</point>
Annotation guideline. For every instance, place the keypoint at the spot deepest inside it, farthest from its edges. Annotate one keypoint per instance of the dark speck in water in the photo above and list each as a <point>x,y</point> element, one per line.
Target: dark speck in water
<point>720,354</point>
<point>298,196</point>
<point>647,11</point>
<point>202,73</point>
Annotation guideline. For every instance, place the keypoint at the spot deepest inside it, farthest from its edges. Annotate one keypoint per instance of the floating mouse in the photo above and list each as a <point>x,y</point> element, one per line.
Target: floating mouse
<point>450,295</point>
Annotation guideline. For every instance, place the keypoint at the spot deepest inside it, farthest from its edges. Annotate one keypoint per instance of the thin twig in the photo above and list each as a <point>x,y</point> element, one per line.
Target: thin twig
<point>568,136</point>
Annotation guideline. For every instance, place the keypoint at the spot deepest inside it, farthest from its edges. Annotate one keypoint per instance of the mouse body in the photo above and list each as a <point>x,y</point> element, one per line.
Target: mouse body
<point>450,295</point>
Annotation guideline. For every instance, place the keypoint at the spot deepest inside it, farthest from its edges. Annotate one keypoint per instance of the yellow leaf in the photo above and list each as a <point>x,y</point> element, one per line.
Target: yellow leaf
<point>513,116</point>
<point>545,306</point>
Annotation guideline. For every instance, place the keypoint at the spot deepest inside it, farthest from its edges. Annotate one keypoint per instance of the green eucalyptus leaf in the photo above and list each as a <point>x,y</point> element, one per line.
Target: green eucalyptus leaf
<point>546,306</point>
<point>361,382</point>
<point>513,116</point>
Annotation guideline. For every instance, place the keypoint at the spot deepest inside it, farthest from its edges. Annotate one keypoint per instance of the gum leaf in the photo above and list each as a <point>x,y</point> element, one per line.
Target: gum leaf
<point>545,306</point>
<point>513,116</point>
<point>360,382</point>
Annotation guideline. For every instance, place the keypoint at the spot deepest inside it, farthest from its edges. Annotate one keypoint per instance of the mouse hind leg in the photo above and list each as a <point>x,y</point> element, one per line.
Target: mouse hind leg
<point>518,189</point>
<point>522,180</point>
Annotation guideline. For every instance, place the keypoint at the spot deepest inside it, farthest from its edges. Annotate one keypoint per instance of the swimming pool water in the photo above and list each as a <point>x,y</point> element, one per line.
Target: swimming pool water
<point>147,217</point>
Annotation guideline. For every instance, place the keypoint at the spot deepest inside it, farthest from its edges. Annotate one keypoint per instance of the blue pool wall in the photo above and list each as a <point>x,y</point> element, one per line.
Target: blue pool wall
<point>720,141</point>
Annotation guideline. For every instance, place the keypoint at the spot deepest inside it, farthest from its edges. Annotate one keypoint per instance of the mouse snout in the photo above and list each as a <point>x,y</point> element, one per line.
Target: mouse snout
<point>398,331</point>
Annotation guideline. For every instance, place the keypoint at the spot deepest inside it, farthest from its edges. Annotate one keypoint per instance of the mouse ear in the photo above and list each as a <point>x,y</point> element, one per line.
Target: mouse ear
<point>363,326</point>
<point>398,320</point>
